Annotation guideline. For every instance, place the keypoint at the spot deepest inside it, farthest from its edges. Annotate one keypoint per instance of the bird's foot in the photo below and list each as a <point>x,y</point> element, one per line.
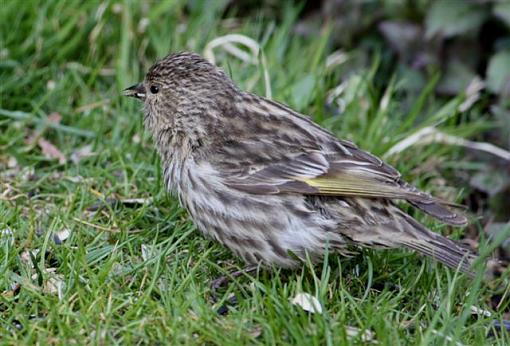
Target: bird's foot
<point>223,280</point>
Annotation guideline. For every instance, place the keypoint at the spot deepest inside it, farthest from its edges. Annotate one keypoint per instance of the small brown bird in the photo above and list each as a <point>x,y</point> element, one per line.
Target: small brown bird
<point>271,185</point>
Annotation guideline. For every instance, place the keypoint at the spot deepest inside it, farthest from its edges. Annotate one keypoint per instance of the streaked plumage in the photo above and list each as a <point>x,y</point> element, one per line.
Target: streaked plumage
<point>268,183</point>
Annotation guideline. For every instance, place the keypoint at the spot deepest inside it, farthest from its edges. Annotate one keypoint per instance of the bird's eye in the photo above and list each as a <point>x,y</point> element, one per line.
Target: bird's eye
<point>154,89</point>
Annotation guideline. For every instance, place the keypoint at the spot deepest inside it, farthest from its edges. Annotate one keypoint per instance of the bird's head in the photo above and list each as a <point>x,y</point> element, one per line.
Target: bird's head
<point>182,85</point>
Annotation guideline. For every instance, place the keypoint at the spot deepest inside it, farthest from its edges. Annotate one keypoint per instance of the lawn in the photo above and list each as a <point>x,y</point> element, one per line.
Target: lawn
<point>94,251</point>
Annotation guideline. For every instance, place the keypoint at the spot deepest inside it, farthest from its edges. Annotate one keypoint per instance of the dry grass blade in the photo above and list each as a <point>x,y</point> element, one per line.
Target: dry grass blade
<point>428,135</point>
<point>257,56</point>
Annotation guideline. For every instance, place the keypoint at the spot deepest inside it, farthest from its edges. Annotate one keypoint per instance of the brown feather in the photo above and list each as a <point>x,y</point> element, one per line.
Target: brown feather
<point>266,181</point>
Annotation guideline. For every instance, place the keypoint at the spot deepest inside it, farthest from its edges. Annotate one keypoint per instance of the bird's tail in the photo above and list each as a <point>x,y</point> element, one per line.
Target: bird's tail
<point>396,229</point>
<point>449,252</point>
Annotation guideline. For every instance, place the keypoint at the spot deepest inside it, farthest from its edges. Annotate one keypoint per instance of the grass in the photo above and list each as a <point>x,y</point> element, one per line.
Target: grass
<point>140,274</point>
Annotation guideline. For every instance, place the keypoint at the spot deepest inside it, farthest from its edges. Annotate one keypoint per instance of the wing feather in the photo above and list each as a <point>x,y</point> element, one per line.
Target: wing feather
<point>325,166</point>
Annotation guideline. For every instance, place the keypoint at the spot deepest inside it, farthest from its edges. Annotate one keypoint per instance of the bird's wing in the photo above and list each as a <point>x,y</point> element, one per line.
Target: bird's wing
<point>323,174</point>
<point>278,151</point>
<point>350,173</point>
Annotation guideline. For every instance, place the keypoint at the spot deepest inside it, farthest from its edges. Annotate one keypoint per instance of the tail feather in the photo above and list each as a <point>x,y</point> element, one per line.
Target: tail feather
<point>447,251</point>
<point>380,224</point>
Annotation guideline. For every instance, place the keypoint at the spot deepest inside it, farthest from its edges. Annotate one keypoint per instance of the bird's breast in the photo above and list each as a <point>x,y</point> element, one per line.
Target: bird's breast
<point>258,228</point>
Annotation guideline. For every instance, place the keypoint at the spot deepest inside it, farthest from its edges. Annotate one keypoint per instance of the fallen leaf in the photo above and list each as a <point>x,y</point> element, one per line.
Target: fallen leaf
<point>365,335</point>
<point>26,258</point>
<point>490,181</point>
<point>51,85</point>
<point>498,73</point>
<point>451,18</point>
<point>6,235</point>
<point>15,288</point>
<point>478,311</point>
<point>60,236</point>
<point>51,151</point>
<point>307,302</point>
<point>76,179</point>
<point>142,25</point>
<point>81,153</point>
<point>54,118</point>
<point>494,229</point>
<point>148,252</point>
<point>6,232</point>
<point>12,162</point>
<point>54,285</point>
<point>405,38</point>
<point>456,78</point>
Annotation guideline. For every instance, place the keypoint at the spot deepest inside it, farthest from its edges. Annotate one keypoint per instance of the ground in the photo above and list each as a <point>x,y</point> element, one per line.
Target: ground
<point>94,251</point>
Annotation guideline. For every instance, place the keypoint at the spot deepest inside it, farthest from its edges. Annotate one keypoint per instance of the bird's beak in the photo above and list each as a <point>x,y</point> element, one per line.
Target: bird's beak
<point>136,91</point>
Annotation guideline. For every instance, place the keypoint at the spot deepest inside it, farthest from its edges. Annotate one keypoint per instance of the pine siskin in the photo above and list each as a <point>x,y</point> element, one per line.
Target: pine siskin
<point>270,184</point>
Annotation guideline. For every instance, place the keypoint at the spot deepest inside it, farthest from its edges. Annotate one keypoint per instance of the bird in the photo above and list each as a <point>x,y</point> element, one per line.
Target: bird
<point>273,186</point>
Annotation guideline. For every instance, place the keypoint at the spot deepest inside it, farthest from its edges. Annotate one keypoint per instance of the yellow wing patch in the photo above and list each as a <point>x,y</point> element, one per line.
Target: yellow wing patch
<point>349,185</point>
